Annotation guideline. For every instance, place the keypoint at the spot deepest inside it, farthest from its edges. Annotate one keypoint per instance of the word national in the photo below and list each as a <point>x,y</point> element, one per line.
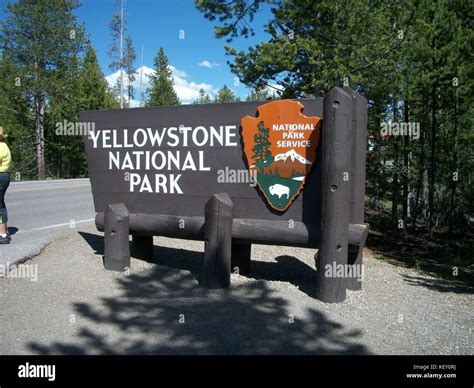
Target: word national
<point>293,127</point>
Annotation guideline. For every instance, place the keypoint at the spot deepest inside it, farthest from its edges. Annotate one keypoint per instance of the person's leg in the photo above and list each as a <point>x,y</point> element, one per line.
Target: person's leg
<point>4,183</point>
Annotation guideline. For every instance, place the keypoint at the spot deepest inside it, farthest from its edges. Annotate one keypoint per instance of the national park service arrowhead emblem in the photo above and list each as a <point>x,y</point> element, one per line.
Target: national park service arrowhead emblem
<point>280,147</point>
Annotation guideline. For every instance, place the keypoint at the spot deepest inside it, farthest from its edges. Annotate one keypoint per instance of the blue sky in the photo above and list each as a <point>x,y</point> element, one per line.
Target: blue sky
<point>155,23</point>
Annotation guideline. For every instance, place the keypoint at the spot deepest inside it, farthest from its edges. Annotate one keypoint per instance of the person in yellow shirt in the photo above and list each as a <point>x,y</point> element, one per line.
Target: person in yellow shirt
<point>5,159</point>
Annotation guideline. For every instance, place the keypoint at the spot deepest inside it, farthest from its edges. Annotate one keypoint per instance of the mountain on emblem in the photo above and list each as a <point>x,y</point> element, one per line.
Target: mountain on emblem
<point>293,155</point>
<point>280,147</point>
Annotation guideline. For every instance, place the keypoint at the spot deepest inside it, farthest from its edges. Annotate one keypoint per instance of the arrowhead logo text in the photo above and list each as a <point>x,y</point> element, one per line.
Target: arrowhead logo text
<point>280,147</point>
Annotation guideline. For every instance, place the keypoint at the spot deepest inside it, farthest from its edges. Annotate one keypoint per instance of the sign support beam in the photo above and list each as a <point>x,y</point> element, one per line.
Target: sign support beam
<point>335,187</point>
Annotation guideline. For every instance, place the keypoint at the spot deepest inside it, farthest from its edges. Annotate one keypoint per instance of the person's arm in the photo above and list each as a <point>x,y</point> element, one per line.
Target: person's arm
<point>5,156</point>
<point>8,158</point>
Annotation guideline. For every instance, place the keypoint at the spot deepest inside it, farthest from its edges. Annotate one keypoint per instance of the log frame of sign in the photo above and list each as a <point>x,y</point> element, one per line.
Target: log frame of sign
<point>340,236</point>
<point>116,242</point>
<point>243,232</point>
<point>335,194</point>
<point>357,178</point>
<point>217,241</point>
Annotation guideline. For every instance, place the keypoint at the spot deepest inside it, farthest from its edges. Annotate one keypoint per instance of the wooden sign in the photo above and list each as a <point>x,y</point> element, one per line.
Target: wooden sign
<point>284,172</point>
<point>171,160</point>
<point>280,147</point>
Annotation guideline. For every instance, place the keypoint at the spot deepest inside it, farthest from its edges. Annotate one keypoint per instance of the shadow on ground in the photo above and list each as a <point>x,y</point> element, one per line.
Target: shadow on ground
<point>440,285</point>
<point>438,256</point>
<point>287,268</point>
<point>12,230</point>
<point>165,311</point>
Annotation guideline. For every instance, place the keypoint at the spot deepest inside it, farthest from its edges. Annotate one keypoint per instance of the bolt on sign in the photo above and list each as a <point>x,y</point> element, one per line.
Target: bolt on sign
<point>280,147</point>
<point>232,175</point>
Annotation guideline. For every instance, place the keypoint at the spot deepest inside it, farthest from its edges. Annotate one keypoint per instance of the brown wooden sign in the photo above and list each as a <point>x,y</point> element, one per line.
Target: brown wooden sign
<point>285,172</point>
<point>171,160</point>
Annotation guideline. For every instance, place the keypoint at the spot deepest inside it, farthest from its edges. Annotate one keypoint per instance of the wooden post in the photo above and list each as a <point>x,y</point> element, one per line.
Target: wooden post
<point>335,194</point>
<point>116,243</point>
<point>241,256</point>
<point>357,178</point>
<point>142,247</point>
<point>218,241</point>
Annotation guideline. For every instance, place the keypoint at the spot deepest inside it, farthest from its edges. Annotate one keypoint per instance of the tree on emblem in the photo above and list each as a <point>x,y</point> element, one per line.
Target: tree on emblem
<point>261,153</point>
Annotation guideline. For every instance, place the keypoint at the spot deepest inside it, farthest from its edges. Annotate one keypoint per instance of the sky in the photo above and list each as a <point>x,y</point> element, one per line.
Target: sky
<point>197,61</point>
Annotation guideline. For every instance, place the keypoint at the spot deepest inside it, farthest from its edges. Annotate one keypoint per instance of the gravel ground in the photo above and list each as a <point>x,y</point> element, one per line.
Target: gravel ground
<point>77,307</point>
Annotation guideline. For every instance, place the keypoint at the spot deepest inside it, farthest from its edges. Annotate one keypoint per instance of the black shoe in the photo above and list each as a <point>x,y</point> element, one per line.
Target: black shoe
<point>5,240</point>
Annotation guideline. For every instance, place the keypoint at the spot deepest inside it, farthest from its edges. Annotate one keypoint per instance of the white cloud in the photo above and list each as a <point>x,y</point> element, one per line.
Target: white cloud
<point>187,91</point>
<point>208,64</point>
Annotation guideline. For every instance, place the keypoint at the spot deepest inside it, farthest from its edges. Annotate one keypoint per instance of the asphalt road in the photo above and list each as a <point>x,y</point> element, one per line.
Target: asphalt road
<point>41,210</point>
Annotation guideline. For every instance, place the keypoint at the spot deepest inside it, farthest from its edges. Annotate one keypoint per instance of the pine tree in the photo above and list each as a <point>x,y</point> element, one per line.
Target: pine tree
<point>261,152</point>
<point>203,98</point>
<point>260,94</point>
<point>43,39</point>
<point>122,54</point>
<point>90,91</point>
<point>114,46</point>
<point>225,95</point>
<point>314,45</point>
<point>16,118</point>
<point>161,91</point>
<point>128,63</point>
<point>412,60</point>
<point>93,88</point>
